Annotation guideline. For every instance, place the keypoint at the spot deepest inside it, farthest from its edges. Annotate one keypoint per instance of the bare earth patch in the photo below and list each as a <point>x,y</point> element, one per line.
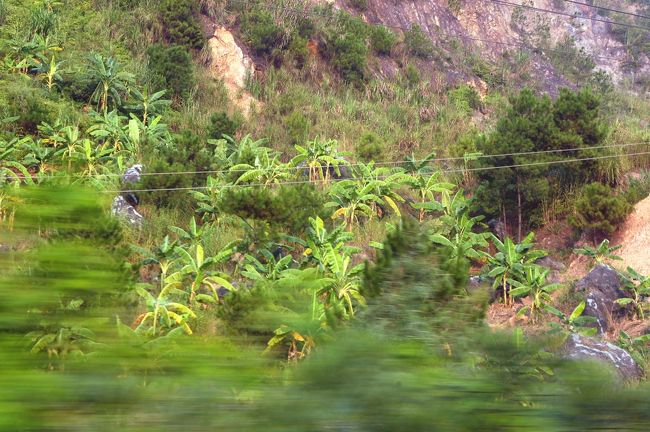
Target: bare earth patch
<point>634,235</point>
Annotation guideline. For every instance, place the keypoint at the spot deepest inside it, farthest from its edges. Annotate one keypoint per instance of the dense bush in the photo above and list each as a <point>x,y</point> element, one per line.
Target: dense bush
<point>465,98</point>
<point>31,104</point>
<point>418,43</point>
<point>599,210</point>
<point>187,153</point>
<point>369,147</point>
<point>360,5</point>
<point>221,124</point>
<point>287,208</point>
<point>261,32</point>
<point>382,39</point>
<point>171,69</point>
<point>534,124</point>
<point>180,23</point>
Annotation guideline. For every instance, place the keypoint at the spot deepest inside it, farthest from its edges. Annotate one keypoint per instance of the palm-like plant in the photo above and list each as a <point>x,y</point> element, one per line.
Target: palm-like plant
<point>92,160</point>
<point>601,253</point>
<point>353,201</point>
<point>427,187</point>
<point>39,156</point>
<point>510,263</point>
<point>534,285</point>
<point>192,237</point>
<point>112,82</point>
<point>109,128</point>
<point>319,237</point>
<point>266,169</point>
<point>343,283</point>
<point>148,104</point>
<point>197,267</point>
<point>457,227</point>
<point>208,199</point>
<point>162,312</point>
<point>318,157</point>
<point>638,286</point>
<point>50,70</point>
<point>270,269</point>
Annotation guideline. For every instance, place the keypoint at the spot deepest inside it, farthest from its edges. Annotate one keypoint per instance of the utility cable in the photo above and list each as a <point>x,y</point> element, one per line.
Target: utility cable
<point>454,170</point>
<point>551,11</point>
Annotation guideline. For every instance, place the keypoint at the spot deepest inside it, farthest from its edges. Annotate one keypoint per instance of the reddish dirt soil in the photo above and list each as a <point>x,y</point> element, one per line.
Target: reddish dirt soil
<point>634,235</point>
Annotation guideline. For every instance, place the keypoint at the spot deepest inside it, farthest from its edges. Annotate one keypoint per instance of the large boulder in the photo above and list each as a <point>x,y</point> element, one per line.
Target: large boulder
<point>122,209</point>
<point>602,287</point>
<point>579,347</point>
<point>124,205</point>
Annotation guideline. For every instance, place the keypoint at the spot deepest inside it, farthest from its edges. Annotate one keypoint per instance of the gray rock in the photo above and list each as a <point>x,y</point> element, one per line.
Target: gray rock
<point>125,211</point>
<point>132,175</point>
<point>602,287</point>
<point>578,347</point>
<point>124,205</point>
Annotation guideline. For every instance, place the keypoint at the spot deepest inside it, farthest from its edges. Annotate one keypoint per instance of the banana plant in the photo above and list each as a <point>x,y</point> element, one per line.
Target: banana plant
<point>163,314</point>
<point>92,161</point>
<point>318,157</point>
<point>534,285</point>
<point>385,184</point>
<point>638,287</point>
<point>50,70</point>
<point>603,252</point>
<point>427,187</point>
<point>457,228</point>
<point>39,156</point>
<point>209,198</point>
<point>353,201</point>
<point>147,103</point>
<point>510,263</point>
<point>343,283</point>
<point>109,128</point>
<point>270,269</point>
<point>318,237</point>
<point>112,82</point>
<point>197,267</point>
<point>192,237</point>
<point>575,322</point>
<point>162,255</point>
<point>266,169</point>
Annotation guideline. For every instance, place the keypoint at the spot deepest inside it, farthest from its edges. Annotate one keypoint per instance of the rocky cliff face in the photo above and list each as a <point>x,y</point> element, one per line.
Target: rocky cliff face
<point>492,27</point>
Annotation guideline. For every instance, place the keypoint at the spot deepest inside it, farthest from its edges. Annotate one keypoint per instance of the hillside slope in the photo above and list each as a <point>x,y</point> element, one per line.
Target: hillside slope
<point>495,29</point>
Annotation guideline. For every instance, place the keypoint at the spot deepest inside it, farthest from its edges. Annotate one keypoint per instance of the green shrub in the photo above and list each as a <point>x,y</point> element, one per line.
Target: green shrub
<point>260,32</point>
<point>637,189</point>
<point>382,39</point>
<point>171,69</point>
<point>221,124</point>
<point>31,104</point>
<point>180,23</point>
<point>297,51</point>
<point>346,47</point>
<point>297,126</point>
<point>412,75</point>
<point>187,152</point>
<point>360,5</point>
<point>288,207</point>
<point>418,43</point>
<point>465,98</point>
<point>369,147</point>
<point>599,210</point>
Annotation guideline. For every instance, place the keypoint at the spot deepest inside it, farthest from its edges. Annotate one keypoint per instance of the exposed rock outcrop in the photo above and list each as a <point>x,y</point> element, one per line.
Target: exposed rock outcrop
<point>602,287</point>
<point>580,347</point>
<point>634,236</point>
<point>229,63</point>
<point>124,205</point>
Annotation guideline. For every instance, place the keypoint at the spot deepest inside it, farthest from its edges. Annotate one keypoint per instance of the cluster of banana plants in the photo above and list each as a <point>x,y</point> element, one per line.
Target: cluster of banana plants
<point>186,280</point>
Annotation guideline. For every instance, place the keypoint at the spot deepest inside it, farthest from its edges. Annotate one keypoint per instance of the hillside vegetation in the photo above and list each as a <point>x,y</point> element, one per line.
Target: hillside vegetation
<point>301,215</point>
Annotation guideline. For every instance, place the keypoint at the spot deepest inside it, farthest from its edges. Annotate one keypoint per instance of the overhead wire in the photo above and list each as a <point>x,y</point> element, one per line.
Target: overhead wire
<point>377,164</point>
<point>453,170</point>
<point>574,16</point>
<point>607,9</point>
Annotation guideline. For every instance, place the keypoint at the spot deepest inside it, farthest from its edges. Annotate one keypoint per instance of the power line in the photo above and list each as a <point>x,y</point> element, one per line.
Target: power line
<point>607,9</point>
<point>377,164</point>
<point>551,11</point>
<point>455,170</point>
